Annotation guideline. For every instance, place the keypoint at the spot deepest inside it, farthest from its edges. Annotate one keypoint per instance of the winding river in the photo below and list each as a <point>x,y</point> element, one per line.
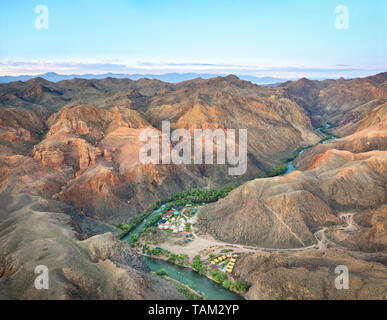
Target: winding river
<point>290,167</point>
<point>199,283</point>
<point>138,229</point>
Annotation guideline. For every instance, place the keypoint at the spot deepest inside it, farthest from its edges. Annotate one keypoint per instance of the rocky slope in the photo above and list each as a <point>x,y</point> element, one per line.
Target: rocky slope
<point>368,231</point>
<point>276,125</point>
<point>362,117</point>
<point>310,275</point>
<point>20,129</point>
<point>368,139</point>
<point>339,101</point>
<point>100,267</point>
<point>282,212</point>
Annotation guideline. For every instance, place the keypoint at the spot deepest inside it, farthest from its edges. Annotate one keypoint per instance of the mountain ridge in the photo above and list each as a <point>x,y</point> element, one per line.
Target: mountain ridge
<point>172,77</point>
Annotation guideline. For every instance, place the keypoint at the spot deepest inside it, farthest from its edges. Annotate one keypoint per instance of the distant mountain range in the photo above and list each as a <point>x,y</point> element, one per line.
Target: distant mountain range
<point>166,77</point>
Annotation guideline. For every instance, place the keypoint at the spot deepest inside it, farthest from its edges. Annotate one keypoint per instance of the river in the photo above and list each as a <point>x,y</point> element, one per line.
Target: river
<point>138,229</point>
<point>290,166</point>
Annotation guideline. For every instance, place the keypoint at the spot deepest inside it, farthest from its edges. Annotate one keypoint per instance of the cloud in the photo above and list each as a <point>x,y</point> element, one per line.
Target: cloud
<point>190,64</point>
<point>58,64</point>
<point>65,67</point>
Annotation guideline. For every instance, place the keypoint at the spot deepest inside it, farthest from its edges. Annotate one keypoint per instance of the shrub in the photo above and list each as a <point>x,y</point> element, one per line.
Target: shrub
<point>172,258</point>
<point>241,285</point>
<point>189,295</point>
<point>182,259</point>
<point>226,283</point>
<point>145,248</point>
<point>219,277</point>
<point>156,252</point>
<point>134,238</point>
<point>162,272</point>
<point>196,264</point>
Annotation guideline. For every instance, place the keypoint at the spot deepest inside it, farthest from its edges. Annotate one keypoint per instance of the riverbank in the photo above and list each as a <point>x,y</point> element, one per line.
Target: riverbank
<point>187,291</point>
<point>187,276</point>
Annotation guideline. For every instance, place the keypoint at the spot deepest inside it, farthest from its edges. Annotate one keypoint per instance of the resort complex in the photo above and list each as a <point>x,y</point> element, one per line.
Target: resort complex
<point>168,235</point>
<point>176,219</point>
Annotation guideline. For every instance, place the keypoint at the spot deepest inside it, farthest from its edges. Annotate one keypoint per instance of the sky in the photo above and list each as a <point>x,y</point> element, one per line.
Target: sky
<point>280,38</point>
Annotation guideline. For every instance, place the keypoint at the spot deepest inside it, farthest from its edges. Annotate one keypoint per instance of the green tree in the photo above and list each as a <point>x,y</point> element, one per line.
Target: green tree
<point>162,272</point>
<point>241,285</point>
<point>182,259</point>
<point>196,264</point>
<point>145,248</point>
<point>226,283</point>
<point>172,258</point>
<point>202,269</point>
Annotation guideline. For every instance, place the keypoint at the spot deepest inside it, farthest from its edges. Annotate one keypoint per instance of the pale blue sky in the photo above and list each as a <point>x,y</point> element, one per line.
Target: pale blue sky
<point>277,37</point>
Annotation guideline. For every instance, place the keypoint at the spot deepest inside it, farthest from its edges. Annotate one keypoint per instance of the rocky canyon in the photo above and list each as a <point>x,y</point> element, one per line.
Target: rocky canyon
<point>70,173</point>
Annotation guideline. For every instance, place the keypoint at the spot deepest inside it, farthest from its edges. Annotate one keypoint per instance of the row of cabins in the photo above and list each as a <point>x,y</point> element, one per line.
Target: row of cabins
<point>231,264</point>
